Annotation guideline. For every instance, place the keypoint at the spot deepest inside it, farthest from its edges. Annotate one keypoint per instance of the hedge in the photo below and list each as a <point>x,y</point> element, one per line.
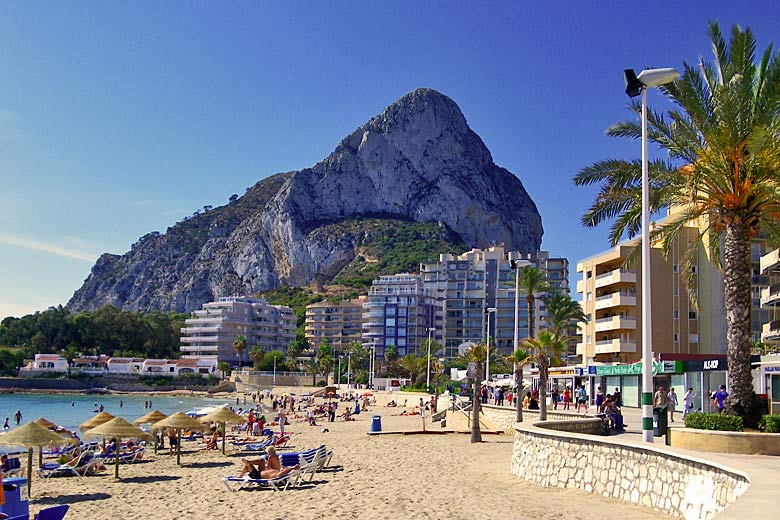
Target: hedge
<point>714,421</point>
<point>770,424</point>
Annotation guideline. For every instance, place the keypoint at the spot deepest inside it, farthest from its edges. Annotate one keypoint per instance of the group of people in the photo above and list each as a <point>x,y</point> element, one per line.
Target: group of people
<point>262,468</point>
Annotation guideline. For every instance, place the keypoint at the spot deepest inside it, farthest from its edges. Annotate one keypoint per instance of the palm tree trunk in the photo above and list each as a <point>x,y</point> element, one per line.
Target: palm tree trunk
<point>476,434</point>
<point>543,390</point>
<point>530,301</point>
<point>737,280</point>
<point>519,393</point>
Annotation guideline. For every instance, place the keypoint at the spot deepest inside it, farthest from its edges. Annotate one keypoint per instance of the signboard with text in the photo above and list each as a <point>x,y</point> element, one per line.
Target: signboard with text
<point>659,367</point>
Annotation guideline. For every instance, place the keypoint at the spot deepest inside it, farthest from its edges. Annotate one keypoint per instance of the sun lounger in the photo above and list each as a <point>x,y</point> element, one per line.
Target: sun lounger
<point>13,467</point>
<point>128,457</point>
<point>86,465</point>
<point>53,513</point>
<point>277,484</point>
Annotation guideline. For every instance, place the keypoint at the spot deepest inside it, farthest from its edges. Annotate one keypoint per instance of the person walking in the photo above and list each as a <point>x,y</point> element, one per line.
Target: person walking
<point>582,399</point>
<point>555,397</point>
<point>671,401</point>
<point>599,398</point>
<point>567,398</point>
<point>720,398</point>
<point>688,402</point>
<point>659,399</point>
<point>18,417</point>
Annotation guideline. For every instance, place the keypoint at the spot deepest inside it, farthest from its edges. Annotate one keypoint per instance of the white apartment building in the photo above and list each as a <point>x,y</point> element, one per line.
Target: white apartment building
<point>212,330</point>
<point>464,287</point>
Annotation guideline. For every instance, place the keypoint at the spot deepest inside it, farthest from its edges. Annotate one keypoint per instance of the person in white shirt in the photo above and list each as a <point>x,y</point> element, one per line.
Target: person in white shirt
<point>671,402</point>
<point>688,402</point>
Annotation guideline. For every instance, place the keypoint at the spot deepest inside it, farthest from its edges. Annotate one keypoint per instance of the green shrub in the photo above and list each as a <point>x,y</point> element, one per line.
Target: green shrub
<point>714,421</point>
<point>770,424</point>
<point>321,383</point>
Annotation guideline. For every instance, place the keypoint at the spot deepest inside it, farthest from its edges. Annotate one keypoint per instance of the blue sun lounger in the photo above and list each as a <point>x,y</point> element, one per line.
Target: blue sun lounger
<point>277,484</point>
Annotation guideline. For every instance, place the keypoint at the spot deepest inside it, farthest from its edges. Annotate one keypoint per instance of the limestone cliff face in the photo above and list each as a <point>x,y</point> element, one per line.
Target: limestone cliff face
<point>416,161</point>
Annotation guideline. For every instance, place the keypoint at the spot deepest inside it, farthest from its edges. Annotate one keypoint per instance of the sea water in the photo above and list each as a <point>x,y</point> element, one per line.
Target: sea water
<point>71,410</point>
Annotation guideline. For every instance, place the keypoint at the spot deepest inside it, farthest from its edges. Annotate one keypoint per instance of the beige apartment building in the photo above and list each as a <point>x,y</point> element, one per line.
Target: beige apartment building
<point>770,297</point>
<point>611,292</point>
<point>338,323</point>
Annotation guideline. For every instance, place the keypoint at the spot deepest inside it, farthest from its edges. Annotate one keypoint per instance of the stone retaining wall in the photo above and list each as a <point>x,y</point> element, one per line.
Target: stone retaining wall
<point>663,481</point>
<point>504,417</point>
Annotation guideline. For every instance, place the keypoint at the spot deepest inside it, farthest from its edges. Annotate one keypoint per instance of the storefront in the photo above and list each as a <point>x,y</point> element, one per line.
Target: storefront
<point>705,376</point>
<point>628,379</point>
<point>560,378</point>
<point>768,369</point>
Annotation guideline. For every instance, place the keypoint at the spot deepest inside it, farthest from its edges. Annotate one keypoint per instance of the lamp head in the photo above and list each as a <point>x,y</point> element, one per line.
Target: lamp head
<point>657,77</point>
<point>633,86</point>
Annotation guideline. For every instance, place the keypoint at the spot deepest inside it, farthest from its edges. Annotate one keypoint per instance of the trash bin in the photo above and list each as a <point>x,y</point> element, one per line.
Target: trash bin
<point>376,423</point>
<point>660,420</point>
<point>16,502</point>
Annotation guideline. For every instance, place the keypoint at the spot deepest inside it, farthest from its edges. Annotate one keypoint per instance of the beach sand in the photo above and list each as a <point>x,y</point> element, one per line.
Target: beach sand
<point>371,477</point>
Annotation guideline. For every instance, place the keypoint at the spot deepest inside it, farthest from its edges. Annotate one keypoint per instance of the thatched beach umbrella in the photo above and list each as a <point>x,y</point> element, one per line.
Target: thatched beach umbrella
<point>178,422</point>
<point>32,435</point>
<point>102,417</point>
<point>152,417</point>
<point>222,416</point>
<point>118,429</point>
<point>45,423</point>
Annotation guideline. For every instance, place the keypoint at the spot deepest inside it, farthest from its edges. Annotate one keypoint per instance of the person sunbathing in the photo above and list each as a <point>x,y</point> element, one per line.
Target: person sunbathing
<point>391,404</point>
<point>212,442</point>
<point>259,469</point>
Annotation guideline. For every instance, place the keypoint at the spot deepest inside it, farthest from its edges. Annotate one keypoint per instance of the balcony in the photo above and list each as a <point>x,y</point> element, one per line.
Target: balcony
<point>199,330</point>
<point>617,299</point>
<point>770,295</point>
<point>189,348</point>
<point>614,277</point>
<point>770,332</point>
<point>615,323</point>
<point>770,261</point>
<point>615,346</point>
<point>197,339</point>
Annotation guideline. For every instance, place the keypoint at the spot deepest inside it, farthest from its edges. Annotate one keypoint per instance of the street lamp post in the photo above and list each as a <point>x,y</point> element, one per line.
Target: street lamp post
<point>373,364</point>
<point>516,265</point>
<point>339,381</point>
<point>274,381</point>
<point>428,370</point>
<point>636,85</point>
<point>488,311</point>
<point>349,368</point>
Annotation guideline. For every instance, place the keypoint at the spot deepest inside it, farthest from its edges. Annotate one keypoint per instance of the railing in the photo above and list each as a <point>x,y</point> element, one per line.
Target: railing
<point>460,405</point>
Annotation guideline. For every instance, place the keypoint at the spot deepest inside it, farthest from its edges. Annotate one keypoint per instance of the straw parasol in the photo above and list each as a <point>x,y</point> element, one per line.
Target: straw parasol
<point>32,435</point>
<point>117,428</point>
<point>151,418</point>
<point>222,416</point>
<point>45,423</point>
<point>102,417</point>
<point>178,422</point>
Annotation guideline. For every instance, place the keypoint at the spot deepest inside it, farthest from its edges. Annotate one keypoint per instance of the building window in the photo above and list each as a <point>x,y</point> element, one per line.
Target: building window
<point>676,291</point>
<point>675,268</point>
<point>676,338</point>
<point>588,296</point>
<point>693,269</point>
<point>691,315</point>
<point>676,314</point>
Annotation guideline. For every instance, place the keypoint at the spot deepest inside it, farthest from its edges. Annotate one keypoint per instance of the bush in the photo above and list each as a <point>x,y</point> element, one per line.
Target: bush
<point>770,424</point>
<point>321,383</point>
<point>714,421</point>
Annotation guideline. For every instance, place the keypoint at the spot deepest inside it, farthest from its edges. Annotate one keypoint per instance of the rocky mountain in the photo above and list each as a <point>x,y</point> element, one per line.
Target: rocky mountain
<point>417,161</point>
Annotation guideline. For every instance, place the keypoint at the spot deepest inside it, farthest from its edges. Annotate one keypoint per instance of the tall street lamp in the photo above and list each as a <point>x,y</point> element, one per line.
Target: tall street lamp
<point>339,380</point>
<point>428,370</point>
<point>488,312</point>
<point>516,265</point>
<point>636,85</point>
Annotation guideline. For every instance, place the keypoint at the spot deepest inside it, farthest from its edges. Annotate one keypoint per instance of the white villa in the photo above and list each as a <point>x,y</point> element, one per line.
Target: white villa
<point>104,365</point>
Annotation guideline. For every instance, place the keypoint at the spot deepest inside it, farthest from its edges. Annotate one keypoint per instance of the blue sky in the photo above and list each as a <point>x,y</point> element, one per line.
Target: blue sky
<point>120,118</point>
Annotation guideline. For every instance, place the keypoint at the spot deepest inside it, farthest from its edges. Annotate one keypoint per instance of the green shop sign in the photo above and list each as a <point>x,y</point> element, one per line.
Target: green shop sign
<point>659,367</point>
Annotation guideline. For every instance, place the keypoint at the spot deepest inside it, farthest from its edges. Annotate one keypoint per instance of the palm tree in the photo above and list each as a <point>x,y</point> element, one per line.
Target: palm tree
<point>224,367</point>
<point>413,366</point>
<point>312,367</point>
<point>519,358</point>
<point>544,350</point>
<point>532,282</point>
<point>257,354</point>
<point>563,312</point>
<point>240,344</point>
<point>476,354</point>
<point>721,135</point>
<point>391,357</point>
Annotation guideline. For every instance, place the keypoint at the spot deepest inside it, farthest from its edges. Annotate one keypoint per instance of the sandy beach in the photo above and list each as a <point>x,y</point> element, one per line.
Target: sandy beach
<point>370,477</point>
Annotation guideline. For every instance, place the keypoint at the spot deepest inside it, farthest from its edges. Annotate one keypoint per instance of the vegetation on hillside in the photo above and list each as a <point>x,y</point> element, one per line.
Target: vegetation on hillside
<point>105,331</point>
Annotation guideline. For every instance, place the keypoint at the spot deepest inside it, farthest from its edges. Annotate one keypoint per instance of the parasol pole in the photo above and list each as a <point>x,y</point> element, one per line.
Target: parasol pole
<point>29,471</point>
<point>116,458</point>
<point>223,436</point>
<point>178,447</point>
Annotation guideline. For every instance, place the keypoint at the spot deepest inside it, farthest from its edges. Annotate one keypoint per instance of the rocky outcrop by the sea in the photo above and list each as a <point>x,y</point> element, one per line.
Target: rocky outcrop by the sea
<point>416,161</point>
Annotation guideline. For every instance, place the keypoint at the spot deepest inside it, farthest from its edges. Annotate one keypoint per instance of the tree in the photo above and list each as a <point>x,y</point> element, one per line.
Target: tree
<point>257,354</point>
<point>391,357</point>
<point>518,359</point>
<point>70,354</point>
<point>476,354</point>
<point>312,367</point>
<point>722,138</point>
<point>544,350</point>
<point>240,344</point>
<point>224,367</point>
<point>532,282</point>
<point>413,366</point>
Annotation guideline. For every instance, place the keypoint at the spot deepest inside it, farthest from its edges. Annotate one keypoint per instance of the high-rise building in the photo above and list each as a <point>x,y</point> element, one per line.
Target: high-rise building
<point>396,312</point>
<point>769,267</point>
<point>611,288</point>
<point>338,323</point>
<point>212,330</point>
<point>475,291</point>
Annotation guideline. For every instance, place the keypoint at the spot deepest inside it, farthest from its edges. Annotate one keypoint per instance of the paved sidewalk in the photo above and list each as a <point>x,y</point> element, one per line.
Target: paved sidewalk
<point>758,502</point>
